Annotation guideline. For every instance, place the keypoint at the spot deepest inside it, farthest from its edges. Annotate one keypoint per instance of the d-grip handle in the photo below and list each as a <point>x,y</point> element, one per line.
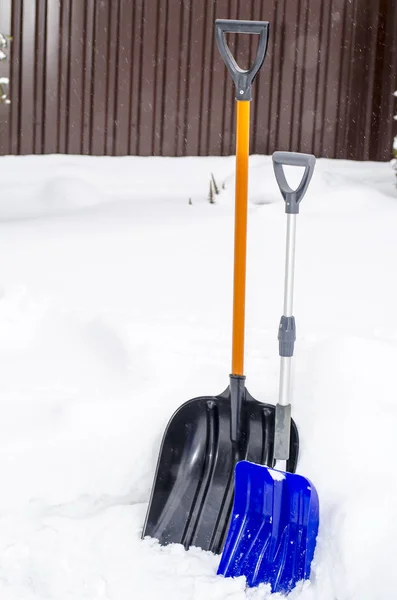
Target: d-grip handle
<point>242,78</point>
<point>293,197</point>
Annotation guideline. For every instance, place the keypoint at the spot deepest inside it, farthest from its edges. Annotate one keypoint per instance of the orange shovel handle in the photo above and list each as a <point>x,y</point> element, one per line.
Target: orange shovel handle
<point>243,79</point>
<point>240,234</point>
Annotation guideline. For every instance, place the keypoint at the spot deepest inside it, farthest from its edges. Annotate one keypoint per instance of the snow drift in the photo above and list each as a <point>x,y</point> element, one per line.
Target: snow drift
<point>115,307</point>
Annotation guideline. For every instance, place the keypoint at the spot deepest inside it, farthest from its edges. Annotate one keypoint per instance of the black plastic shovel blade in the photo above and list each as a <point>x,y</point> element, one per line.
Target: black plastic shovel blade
<point>192,495</point>
<point>273,530</point>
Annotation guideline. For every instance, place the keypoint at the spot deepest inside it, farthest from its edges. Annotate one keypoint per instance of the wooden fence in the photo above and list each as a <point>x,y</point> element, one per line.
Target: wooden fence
<point>143,77</point>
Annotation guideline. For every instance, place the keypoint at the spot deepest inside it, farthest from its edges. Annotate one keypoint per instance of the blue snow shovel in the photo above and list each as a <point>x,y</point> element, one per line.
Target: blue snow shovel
<point>274,524</point>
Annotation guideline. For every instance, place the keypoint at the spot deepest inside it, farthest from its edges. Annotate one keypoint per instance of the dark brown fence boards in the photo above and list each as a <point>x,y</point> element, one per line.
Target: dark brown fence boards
<point>51,73</point>
<point>144,77</point>
<point>15,79</point>
<point>5,109</point>
<point>122,78</point>
<point>384,105</point>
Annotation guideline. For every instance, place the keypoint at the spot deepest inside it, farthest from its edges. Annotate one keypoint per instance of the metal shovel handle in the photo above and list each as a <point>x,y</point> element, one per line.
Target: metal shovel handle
<point>296,159</point>
<point>287,330</point>
<point>243,79</point>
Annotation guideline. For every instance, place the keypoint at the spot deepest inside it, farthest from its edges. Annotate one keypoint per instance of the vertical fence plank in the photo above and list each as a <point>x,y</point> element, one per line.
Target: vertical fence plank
<point>87,66</point>
<point>15,76</point>
<point>75,71</point>
<point>298,52</point>
<point>170,92</point>
<point>345,67</point>
<point>64,75</point>
<point>27,78</point>
<point>328,87</point>
<point>112,76</point>
<point>144,77</point>
<point>194,92</point>
<point>161,59</point>
<point>184,61</point>
<point>100,77</point>
<point>371,29</point>
<point>260,130</point>
<point>206,92</point>
<point>6,70</point>
<point>383,127</point>
<point>51,75</point>
<point>389,125</point>
<point>314,27</point>
<point>357,88</point>
<point>277,57</point>
<point>122,104</point>
<point>220,80</point>
<point>39,76</point>
<point>284,110</point>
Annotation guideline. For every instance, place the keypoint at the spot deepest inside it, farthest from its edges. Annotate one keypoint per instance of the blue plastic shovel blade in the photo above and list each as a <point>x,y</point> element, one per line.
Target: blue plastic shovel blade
<point>273,528</point>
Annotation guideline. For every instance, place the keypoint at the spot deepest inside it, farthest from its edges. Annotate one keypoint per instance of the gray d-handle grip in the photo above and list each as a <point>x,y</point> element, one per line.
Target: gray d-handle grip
<point>242,79</point>
<point>293,197</point>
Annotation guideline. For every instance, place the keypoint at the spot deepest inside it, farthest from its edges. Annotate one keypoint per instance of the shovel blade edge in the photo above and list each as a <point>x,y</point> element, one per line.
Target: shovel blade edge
<point>273,528</point>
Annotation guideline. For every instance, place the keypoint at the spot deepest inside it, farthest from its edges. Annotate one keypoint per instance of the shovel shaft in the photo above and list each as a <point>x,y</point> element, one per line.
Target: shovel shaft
<point>289,265</point>
<point>284,398</point>
<point>240,235</point>
<point>286,349</point>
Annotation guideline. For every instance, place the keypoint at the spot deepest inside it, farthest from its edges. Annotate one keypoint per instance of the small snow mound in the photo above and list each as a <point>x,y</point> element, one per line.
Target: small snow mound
<point>56,195</point>
<point>60,193</point>
<point>276,475</point>
<point>263,185</point>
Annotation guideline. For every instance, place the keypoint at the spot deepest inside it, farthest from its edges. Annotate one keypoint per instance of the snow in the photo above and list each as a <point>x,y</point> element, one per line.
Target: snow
<point>276,475</point>
<point>115,307</point>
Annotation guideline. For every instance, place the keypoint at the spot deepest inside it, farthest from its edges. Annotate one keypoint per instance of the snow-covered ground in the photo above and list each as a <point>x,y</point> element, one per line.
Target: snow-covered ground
<point>115,307</point>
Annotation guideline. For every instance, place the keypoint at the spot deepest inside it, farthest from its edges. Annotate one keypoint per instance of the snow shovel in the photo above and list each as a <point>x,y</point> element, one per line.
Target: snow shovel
<point>192,495</point>
<point>275,520</point>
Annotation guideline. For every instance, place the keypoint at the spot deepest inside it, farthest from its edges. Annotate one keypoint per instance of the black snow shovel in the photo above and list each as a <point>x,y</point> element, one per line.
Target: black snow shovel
<point>193,490</point>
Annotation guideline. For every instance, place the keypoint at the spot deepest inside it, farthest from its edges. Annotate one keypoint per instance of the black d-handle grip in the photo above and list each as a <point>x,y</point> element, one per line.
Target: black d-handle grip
<point>293,197</point>
<point>242,79</point>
